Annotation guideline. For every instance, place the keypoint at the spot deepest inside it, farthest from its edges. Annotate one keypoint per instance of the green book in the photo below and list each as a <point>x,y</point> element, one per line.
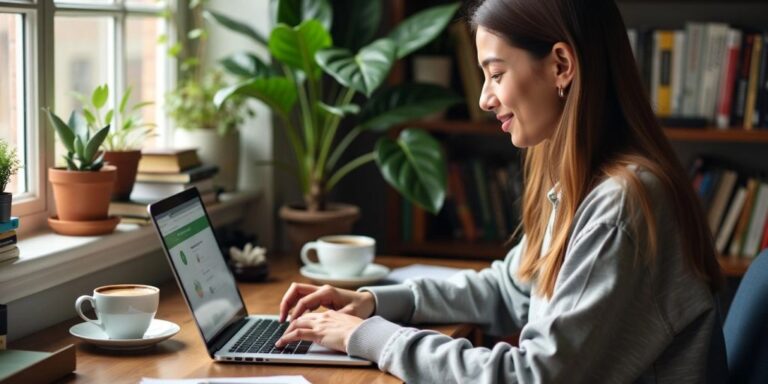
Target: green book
<point>13,361</point>
<point>21,367</point>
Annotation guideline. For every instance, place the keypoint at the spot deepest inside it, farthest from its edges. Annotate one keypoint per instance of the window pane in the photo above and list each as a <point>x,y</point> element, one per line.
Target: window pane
<point>150,2</point>
<point>12,107</point>
<point>142,68</point>
<point>84,1</point>
<point>82,57</point>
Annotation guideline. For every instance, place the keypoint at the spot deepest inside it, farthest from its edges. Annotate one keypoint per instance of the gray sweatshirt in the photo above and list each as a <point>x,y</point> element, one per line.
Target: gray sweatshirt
<point>613,318</point>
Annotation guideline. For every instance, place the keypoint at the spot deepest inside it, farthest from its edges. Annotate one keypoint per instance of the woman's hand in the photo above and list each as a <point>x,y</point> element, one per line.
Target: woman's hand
<point>330,329</point>
<point>306,297</point>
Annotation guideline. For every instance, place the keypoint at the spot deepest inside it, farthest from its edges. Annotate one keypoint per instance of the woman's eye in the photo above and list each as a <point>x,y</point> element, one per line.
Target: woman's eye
<point>496,77</point>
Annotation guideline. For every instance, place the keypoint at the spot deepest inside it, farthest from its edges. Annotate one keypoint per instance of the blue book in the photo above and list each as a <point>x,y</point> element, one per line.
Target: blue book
<point>9,225</point>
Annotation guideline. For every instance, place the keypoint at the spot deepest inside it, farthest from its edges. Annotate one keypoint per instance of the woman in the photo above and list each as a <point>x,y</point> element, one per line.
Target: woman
<point>613,280</point>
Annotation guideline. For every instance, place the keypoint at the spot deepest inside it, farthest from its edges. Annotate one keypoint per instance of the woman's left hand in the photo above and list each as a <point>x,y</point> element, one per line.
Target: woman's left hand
<point>330,329</point>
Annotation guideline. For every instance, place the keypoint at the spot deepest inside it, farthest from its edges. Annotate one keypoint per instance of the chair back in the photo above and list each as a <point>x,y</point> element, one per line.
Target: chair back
<point>746,326</point>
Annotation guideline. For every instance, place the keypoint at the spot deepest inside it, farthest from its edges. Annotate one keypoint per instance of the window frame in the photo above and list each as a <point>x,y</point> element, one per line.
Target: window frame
<point>38,23</point>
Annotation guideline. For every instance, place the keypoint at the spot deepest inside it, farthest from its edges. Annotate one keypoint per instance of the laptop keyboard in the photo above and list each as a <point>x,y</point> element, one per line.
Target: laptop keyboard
<point>261,338</point>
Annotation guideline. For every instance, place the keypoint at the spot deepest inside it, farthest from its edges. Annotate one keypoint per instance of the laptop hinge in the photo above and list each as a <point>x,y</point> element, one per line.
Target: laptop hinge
<point>224,336</point>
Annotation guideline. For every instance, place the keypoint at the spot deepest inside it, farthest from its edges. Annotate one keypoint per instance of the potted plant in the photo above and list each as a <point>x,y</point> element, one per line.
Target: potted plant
<point>357,65</point>
<point>83,189</point>
<point>211,129</point>
<point>9,165</point>
<point>122,147</point>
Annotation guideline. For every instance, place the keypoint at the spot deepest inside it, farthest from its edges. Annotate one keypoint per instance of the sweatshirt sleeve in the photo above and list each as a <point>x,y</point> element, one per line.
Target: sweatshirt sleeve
<point>492,298</point>
<point>603,275</point>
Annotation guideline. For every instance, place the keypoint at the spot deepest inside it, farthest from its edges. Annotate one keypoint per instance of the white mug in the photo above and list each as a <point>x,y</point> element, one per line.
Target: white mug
<point>123,311</point>
<point>340,255</point>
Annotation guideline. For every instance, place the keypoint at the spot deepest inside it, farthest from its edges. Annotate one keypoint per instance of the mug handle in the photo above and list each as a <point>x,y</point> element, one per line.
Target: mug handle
<point>79,309</point>
<point>305,254</point>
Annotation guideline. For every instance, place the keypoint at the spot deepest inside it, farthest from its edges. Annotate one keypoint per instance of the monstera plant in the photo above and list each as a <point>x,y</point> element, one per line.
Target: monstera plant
<point>323,72</point>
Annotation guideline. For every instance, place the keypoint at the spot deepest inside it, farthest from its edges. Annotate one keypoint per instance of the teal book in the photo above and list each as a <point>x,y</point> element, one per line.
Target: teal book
<point>9,225</point>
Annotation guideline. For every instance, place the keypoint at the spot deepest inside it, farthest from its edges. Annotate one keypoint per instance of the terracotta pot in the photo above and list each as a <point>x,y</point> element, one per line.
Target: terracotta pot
<point>127,162</point>
<point>82,196</point>
<point>302,226</point>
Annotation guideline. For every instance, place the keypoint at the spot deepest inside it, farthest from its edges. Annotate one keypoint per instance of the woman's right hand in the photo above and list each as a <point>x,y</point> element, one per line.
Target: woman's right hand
<point>307,297</point>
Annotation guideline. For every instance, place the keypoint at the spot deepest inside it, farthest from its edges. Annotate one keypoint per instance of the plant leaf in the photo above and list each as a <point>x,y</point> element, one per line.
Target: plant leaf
<point>78,125</point>
<point>124,100</point>
<point>141,105</point>
<point>361,22</point>
<point>93,145</point>
<point>235,26</point>
<point>419,29</point>
<point>108,116</point>
<point>247,65</point>
<point>80,149</point>
<point>65,133</point>
<point>294,12</point>
<point>340,110</point>
<point>70,163</point>
<point>414,165</point>
<point>100,96</point>
<point>278,93</point>
<point>297,46</point>
<point>395,105</point>
<point>363,72</point>
<point>196,33</point>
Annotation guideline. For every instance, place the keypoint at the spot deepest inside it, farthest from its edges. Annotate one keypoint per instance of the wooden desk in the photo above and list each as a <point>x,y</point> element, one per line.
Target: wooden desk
<point>185,356</point>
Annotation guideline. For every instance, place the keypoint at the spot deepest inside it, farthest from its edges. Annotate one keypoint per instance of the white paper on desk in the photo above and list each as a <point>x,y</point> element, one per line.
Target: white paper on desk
<point>231,380</point>
<point>421,271</point>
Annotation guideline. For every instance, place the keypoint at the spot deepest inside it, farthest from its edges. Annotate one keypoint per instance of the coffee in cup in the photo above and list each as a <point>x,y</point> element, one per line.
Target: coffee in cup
<point>340,255</point>
<point>123,311</point>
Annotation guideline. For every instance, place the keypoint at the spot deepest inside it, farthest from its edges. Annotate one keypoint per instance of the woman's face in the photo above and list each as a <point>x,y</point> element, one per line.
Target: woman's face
<point>519,89</point>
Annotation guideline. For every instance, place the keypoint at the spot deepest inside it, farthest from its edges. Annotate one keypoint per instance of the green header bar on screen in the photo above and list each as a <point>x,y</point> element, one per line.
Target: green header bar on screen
<point>180,235</point>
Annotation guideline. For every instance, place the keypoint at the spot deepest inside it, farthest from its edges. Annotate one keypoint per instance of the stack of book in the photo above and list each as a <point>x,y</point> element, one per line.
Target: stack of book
<point>8,239</point>
<point>163,173</point>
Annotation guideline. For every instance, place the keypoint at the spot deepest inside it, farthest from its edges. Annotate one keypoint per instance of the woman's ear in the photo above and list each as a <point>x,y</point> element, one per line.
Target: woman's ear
<point>565,64</point>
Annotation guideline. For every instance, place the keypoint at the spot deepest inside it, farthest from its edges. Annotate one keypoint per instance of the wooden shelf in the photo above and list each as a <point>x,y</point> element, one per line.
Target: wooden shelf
<point>733,267</point>
<point>733,135</point>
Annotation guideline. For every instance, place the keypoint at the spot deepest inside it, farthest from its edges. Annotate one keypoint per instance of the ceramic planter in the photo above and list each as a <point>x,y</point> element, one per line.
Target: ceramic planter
<point>83,197</point>
<point>212,148</point>
<point>302,226</point>
<point>6,200</point>
<point>126,162</point>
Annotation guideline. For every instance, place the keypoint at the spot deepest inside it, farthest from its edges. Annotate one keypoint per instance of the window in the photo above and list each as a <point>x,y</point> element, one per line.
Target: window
<point>52,50</point>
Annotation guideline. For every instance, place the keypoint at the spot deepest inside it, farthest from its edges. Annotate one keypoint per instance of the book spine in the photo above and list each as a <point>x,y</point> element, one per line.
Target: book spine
<point>761,103</point>
<point>469,230</point>
<point>729,79</point>
<point>764,242</point>
<point>740,96</point>
<point>726,230</point>
<point>678,66</point>
<point>712,61</point>
<point>746,214</point>
<point>662,72</point>
<point>693,55</point>
<point>470,76</point>
<point>755,231</point>
<point>749,107</point>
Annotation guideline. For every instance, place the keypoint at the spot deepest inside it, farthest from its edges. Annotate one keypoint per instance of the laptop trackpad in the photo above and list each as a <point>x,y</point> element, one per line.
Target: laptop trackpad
<point>319,349</point>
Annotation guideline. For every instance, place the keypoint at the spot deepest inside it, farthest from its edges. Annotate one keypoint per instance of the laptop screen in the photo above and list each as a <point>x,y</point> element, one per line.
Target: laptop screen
<point>192,248</point>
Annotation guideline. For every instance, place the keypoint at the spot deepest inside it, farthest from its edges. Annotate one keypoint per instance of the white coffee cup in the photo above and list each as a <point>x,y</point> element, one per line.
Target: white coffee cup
<point>123,311</point>
<point>340,255</point>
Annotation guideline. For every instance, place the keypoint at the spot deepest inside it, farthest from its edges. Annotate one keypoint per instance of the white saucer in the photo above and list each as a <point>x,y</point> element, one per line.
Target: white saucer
<point>158,331</point>
<point>371,274</point>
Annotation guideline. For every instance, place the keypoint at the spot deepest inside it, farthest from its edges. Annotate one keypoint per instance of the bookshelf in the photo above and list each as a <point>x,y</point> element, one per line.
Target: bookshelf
<point>643,14</point>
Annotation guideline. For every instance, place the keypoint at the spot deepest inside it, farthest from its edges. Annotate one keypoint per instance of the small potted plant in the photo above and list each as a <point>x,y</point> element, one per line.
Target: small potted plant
<point>9,165</point>
<point>83,189</point>
<point>122,147</point>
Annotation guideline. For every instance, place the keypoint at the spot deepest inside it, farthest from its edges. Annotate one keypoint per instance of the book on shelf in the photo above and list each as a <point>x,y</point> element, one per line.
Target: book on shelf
<point>729,223</point>
<point>723,191</point>
<point>132,208</point>
<point>22,367</point>
<point>151,192</point>
<point>200,172</point>
<point>729,74</point>
<point>754,231</point>
<point>469,73</point>
<point>9,252</point>
<point>9,225</point>
<point>168,160</point>
<point>739,232</point>
<point>754,70</point>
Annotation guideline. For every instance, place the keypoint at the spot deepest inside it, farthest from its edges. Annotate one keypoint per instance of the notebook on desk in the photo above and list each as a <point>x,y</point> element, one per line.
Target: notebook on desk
<point>211,293</point>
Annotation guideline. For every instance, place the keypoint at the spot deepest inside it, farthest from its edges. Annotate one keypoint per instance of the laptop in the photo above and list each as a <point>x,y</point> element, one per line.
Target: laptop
<point>229,333</point>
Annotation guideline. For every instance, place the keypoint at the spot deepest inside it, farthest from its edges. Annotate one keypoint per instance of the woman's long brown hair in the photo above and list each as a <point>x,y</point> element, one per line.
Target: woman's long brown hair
<point>606,125</point>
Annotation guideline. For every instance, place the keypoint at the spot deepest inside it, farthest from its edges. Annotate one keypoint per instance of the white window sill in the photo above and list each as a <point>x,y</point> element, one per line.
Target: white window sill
<point>48,259</point>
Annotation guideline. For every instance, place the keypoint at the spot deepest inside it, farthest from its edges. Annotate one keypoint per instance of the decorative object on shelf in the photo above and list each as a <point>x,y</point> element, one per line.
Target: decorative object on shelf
<point>122,147</point>
<point>9,165</point>
<point>201,124</point>
<point>81,191</point>
<point>249,263</point>
<point>356,64</point>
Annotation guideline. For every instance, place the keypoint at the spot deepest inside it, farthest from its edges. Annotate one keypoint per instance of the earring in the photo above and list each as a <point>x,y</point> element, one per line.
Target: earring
<point>560,92</point>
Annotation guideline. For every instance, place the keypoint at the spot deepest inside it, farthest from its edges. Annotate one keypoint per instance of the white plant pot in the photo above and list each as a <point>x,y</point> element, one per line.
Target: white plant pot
<point>212,148</point>
<point>433,70</point>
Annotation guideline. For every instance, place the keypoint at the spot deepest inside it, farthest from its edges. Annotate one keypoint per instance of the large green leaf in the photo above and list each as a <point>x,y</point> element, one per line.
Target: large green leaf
<point>66,134</point>
<point>236,26</point>
<point>100,95</point>
<point>294,12</point>
<point>296,47</point>
<point>405,102</point>
<point>419,29</point>
<point>278,93</point>
<point>414,165</point>
<point>363,72</point>
<point>361,21</point>
<point>93,145</point>
<point>247,65</point>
